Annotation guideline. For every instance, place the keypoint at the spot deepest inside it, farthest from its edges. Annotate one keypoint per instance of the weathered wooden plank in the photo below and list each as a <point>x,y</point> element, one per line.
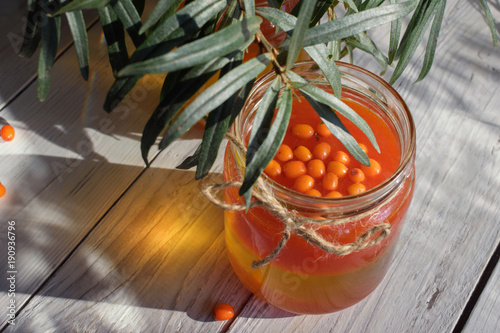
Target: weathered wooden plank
<point>68,164</point>
<point>452,227</point>
<point>155,263</point>
<point>16,72</point>
<point>485,316</point>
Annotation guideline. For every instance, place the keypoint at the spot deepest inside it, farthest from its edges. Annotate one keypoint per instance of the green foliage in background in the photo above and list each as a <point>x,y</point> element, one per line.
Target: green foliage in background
<point>192,40</point>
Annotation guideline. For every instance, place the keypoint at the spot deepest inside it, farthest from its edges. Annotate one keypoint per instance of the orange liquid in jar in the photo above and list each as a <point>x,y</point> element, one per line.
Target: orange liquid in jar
<point>303,278</point>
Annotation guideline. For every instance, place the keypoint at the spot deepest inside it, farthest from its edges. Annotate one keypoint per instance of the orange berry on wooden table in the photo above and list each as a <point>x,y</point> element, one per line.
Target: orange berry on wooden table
<point>341,157</point>
<point>7,133</point>
<point>330,181</point>
<point>356,175</point>
<point>337,168</point>
<point>273,169</point>
<point>334,194</point>
<point>323,131</point>
<point>284,153</point>
<point>2,190</point>
<point>356,188</point>
<point>223,312</point>
<point>294,169</point>
<point>322,150</point>
<point>316,168</point>
<point>302,153</point>
<point>372,170</point>
<point>303,183</point>
<point>303,131</point>
<point>313,192</point>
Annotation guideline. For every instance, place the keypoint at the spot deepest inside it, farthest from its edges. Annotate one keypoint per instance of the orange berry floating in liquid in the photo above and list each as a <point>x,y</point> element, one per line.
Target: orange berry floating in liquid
<point>7,133</point>
<point>285,153</point>
<point>312,150</point>
<point>273,169</point>
<point>223,312</point>
<point>303,131</point>
<point>294,169</point>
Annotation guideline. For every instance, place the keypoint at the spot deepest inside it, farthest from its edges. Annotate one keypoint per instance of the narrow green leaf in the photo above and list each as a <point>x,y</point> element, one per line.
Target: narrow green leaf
<point>394,37</point>
<point>78,30</point>
<point>263,118</point>
<point>320,10</point>
<point>352,5</point>
<point>352,24</point>
<point>335,125</point>
<point>216,127</point>
<point>368,4</point>
<point>32,32</point>
<point>130,18</point>
<point>364,43</point>
<point>430,50</point>
<point>318,52</point>
<point>214,96</point>
<point>82,4</point>
<point>161,7</point>
<point>179,26</point>
<point>299,32</point>
<point>413,40</point>
<point>48,51</point>
<point>233,106</point>
<point>200,51</point>
<point>249,7</point>
<point>322,96</point>
<point>191,161</point>
<point>269,146</point>
<point>115,38</point>
<point>184,85</point>
<point>490,20</point>
<point>139,6</point>
<point>274,4</point>
<point>415,19</point>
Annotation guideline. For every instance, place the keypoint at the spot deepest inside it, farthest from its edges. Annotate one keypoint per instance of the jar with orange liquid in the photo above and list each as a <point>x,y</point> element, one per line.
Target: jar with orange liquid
<point>303,278</point>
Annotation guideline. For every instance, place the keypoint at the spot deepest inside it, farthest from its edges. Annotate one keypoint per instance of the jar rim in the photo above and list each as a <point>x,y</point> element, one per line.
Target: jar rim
<point>378,192</point>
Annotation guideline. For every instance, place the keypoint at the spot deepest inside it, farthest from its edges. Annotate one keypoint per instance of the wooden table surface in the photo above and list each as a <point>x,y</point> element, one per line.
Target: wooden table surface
<point>103,244</point>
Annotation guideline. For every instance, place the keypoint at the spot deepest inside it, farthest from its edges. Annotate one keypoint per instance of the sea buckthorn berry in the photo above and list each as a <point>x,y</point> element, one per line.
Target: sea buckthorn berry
<point>223,312</point>
<point>322,150</point>
<point>302,153</point>
<point>284,153</point>
<point>273,169</point>
<point>356,175</point>
<point>341,157</point>
<point>2,190</point>
<point>330,181</point>
<point>356,188</point>
<point>337,168</point>
<point>7,133</point>
<point>303,131</point>
<point>363,148</point>
<point>303,183</point>
<point>294,169</point>
<point>316,168</point>
<point>323,130</point>
<point>334,194</point>
<point>314,192</point>
<point>372,170</point>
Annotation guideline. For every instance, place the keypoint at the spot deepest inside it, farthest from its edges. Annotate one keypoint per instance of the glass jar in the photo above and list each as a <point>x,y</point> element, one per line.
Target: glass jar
<point>303,278</point>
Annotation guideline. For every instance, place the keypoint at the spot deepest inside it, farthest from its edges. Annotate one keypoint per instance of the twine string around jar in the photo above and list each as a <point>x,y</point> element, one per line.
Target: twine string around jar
<point>302,225</point>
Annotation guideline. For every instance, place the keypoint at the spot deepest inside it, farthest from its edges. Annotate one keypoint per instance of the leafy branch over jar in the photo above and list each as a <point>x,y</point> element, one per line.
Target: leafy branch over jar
<point>194,41</point>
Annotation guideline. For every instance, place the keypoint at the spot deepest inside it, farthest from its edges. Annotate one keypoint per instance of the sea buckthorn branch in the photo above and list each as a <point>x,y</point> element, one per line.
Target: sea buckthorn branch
<point>302,225</point>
